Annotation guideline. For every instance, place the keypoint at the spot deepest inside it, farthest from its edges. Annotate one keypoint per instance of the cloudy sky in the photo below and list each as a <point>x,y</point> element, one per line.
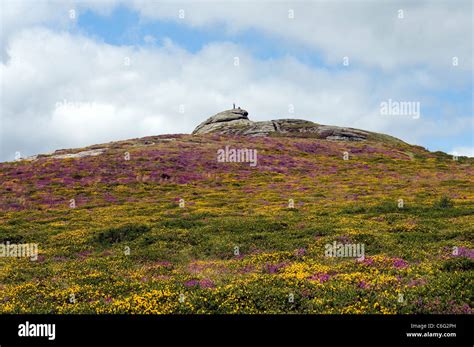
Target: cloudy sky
<point>77,73</point>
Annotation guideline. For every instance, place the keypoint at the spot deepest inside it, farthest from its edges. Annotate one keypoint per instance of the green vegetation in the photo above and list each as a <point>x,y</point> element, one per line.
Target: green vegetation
<point>235,245</point>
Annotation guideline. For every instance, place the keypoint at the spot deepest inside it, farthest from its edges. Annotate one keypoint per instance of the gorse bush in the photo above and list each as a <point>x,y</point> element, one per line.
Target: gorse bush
<point>444,202</point>
<point>459,264</point>
<point>128,232</point>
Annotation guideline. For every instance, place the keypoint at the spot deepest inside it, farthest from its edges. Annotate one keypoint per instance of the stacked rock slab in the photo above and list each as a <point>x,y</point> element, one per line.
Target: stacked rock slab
<point>236,122</point>
<point>224,120</point>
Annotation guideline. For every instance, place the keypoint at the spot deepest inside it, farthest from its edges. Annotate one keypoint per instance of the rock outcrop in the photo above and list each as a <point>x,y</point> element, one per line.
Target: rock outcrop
<point>82,154</point>
<point>236,122</point>
<point>223,120</point>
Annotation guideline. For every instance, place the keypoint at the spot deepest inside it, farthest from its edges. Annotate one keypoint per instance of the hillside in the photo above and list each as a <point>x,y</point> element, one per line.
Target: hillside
<point>158,225</point>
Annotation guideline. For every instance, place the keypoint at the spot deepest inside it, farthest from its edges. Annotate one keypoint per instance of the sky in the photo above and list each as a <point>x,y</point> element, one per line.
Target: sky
<point>78,73</point>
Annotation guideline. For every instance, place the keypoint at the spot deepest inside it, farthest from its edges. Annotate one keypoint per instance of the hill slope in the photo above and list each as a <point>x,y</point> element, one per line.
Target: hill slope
<point>158,225</point>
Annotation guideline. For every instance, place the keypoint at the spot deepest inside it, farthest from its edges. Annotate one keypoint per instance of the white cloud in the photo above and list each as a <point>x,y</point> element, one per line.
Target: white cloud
<point>463,151</point>
<point>16,15</point>
<point>368,32</point>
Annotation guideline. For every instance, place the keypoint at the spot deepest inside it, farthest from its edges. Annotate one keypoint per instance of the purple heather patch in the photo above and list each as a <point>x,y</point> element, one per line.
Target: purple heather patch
<point>320,277</point>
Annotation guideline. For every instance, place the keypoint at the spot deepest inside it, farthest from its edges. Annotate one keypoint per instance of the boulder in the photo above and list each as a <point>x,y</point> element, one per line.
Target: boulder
<point>229,118</point>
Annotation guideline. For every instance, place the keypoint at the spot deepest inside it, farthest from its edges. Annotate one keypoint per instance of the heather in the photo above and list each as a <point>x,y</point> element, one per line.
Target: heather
<point>171,230</point>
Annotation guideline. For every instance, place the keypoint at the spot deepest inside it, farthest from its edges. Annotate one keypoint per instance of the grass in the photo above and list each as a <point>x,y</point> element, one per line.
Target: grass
<point>236,246</point>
